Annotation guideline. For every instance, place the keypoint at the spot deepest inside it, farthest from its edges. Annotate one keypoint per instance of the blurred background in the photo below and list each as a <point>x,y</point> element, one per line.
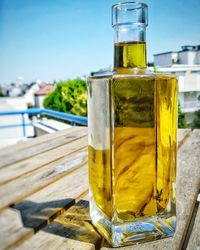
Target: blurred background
<point>50,47</point>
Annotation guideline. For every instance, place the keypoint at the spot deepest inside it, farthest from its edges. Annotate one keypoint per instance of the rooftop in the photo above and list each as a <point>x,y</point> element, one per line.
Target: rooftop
<point>45,90</point>
<point>184,48</point>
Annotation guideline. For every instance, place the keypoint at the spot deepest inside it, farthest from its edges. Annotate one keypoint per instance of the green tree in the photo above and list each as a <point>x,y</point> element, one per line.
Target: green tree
<point>69,97</point>
<point>181,118</point>
<point>150,64</point>
<point>1,94</point>
<point>196,120</point>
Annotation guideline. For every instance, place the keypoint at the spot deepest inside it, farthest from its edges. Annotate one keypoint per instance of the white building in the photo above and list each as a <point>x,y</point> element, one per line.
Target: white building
<point>186,65</point>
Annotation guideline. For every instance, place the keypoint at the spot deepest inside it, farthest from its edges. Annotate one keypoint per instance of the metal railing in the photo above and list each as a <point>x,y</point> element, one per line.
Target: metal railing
<point>73,119</point>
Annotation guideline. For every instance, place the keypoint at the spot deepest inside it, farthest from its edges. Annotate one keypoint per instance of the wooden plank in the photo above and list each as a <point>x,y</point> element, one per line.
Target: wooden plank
<point>188,178</point>
<point>47,241</point>
<point>35,141</point>
<point>194,241</point>
<point>75,224</point>
<point>69,136</point>
<point>12,230</point>
<point>69,187</point>
<point>28,165</point>
<point>20,223</point>
<point>15,191</point>
<point>36,215</point>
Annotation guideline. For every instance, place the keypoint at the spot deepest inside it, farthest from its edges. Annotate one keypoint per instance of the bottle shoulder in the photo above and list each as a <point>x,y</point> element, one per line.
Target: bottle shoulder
<point>100,76</point>
<point>134,74</point>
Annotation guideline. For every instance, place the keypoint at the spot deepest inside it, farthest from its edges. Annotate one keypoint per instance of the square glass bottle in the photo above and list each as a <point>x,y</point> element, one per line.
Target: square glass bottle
<point>132,132</point>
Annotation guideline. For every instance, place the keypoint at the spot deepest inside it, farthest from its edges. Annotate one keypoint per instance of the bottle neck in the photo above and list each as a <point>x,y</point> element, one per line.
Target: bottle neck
<point>129,48</point>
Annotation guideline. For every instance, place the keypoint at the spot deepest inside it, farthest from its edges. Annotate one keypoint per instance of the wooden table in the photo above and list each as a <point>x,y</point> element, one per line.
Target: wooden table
<point>44,195</point>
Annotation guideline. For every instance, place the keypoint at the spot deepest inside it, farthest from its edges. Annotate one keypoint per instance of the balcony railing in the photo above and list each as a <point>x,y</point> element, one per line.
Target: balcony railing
<point>72,119</point>
<point>191,104</point>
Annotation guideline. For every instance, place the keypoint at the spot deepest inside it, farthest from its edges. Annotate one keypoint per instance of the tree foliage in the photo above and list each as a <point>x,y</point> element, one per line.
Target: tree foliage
<point>150,64</point>
<point>1,93</point>
<point>181,118</point>
<point>69,97</point>
<point>196,120</point>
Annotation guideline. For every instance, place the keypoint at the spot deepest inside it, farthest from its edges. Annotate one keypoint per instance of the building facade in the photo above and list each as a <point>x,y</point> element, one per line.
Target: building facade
<point>186,65</point>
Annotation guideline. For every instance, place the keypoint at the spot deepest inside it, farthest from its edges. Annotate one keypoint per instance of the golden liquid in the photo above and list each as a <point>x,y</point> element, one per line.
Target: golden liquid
<point>130,55</point>
<point>134,165</point>
<point>135,176</point>
<point>100,178</point>
<point>142,172</point>
<point>167,99</point>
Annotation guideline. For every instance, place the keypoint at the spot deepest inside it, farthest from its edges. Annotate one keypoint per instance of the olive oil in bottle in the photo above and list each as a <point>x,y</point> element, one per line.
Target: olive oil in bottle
<point>130,54</point>
<point>132,126</point>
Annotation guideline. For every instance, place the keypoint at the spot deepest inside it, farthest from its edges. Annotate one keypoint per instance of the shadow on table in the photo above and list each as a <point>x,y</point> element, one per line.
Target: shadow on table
<point>60,217</point>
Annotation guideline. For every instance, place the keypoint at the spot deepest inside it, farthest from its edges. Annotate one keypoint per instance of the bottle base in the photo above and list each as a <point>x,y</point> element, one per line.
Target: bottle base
<point>135,232</point>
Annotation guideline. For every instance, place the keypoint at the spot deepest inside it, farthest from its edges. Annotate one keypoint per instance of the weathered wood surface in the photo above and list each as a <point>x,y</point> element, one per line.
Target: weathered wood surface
<point>44,177</point>
<point>75,224</point>
<point>18,169</point>
<point>29,148</point>
<point>14,191</point>
<point>48,241</point>
<point>12,230</point>
<point>194,240</point>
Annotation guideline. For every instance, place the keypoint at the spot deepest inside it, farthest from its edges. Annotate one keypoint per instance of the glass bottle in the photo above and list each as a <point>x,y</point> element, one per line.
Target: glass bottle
<point>132,130</point>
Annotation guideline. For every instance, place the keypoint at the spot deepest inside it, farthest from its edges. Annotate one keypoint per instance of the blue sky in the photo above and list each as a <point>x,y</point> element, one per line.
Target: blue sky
<point>60,39</point>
